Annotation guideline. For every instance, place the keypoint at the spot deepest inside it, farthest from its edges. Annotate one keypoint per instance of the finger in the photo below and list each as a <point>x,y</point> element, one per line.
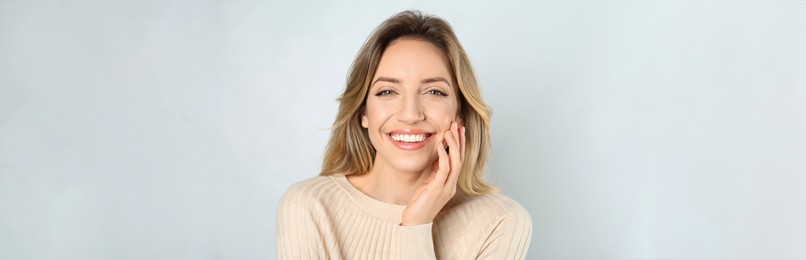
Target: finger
<point>462,143</point>
<point>453,144</point>
<point>457,140</point>
<point>456,161</point>
<point>456,170</point>
<point>457,137</point>
<point>459,143</point>
<point>444,168</point>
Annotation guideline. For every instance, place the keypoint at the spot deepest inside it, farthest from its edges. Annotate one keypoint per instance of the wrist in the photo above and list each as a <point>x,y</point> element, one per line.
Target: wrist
<point>407,222</point>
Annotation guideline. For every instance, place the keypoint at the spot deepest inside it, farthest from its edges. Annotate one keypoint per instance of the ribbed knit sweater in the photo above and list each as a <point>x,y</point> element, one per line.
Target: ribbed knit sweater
<point>326,217</point>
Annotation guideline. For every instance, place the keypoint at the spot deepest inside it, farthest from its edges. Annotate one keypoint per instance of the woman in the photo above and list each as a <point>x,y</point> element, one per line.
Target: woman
<point>402,173</point>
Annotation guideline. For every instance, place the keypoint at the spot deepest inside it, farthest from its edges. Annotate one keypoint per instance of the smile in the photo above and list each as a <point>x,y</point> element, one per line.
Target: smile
<point>418,138</point>
<point>408,139</point>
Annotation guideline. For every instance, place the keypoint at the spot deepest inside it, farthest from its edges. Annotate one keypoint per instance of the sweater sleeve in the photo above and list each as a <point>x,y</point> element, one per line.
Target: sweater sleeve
<point>511,236</point>
<point>416,242</point>
<point>297,233</point>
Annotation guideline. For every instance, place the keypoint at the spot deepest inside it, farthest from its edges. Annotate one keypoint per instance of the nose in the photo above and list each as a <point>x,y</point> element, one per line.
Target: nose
<point>410,111</point>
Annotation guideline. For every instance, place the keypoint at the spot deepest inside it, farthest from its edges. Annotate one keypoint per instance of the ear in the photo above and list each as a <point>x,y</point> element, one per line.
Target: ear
<point>364,120</point>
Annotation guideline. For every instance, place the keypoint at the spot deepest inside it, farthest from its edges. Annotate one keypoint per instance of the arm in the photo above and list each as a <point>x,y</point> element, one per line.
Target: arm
<point>297,234</point>
<point>414,234</point>
<point>510,238</point>
<point>416,242</point>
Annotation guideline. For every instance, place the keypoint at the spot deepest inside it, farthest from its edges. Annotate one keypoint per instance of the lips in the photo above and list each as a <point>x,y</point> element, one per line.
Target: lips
<point>409,139</point>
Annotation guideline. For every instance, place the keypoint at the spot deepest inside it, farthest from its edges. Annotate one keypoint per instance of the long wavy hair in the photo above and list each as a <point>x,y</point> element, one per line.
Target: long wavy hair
<point>349,150</point>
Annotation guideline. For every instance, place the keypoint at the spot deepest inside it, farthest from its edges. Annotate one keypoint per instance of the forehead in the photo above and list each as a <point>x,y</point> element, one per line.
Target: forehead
<point>413,59</point>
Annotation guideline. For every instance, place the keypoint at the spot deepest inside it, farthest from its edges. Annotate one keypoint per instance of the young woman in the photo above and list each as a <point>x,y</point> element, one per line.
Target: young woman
<point>402,176</point>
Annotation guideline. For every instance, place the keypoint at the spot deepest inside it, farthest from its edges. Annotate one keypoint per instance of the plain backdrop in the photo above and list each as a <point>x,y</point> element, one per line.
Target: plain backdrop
<point>141,129</point>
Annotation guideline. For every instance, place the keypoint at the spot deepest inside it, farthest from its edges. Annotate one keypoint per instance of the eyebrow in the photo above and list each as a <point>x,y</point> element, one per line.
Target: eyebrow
<point>398,81</point>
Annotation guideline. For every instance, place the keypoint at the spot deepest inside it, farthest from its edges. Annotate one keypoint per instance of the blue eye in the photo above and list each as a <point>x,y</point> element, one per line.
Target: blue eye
<point>384,92</point>
<point>436,92</point>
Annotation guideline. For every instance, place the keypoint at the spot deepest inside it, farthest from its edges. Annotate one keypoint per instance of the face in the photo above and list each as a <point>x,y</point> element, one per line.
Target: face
<point>411,102</point>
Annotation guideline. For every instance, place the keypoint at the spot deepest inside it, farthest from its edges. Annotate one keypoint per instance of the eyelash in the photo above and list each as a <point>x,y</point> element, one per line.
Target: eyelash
<point>384,92</point>
<point>389,92</point>
<point>436,92</point>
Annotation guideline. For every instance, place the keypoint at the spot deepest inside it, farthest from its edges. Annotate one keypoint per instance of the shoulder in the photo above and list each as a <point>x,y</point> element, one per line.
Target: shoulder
<point>309,191</point>
<point>482,221</point>
<point>493,209</point>
<point>505,206</point>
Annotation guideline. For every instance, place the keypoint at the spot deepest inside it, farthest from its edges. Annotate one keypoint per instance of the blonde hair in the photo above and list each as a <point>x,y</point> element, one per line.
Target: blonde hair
<point>349,150</point>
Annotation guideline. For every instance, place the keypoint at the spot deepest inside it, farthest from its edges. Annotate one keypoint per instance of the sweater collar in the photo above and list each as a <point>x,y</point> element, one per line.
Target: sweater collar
<point>383,210</point>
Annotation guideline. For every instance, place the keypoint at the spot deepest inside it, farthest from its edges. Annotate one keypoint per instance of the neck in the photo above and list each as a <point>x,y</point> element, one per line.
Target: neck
<point>389,185</point>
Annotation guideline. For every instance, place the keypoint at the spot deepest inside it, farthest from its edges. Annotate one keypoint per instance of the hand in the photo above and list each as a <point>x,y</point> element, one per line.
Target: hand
<point>440,186</point>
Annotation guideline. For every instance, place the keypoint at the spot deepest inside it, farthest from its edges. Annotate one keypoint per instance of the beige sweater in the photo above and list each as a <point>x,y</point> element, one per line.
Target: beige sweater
<point>328,218</point>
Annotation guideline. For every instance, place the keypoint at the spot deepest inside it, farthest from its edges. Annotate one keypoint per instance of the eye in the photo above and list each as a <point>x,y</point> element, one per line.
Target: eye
<point>436,92</point>
<point>384,92</point>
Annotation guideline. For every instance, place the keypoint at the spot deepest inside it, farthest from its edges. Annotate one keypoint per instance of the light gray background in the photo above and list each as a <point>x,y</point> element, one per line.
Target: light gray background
<point>629,129</point>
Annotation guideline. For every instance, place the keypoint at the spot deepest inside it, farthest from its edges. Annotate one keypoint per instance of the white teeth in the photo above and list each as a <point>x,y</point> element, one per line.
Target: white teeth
<point>409,138</point>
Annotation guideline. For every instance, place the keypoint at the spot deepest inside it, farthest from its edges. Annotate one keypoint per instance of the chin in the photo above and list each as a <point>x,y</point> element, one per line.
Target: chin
<point>412,164</point>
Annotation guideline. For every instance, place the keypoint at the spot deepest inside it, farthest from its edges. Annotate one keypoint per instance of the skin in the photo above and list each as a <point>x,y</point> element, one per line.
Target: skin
<point>413,89</point>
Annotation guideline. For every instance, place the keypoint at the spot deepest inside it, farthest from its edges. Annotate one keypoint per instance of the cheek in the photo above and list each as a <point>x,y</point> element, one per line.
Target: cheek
<point>375,114</point>
<point>443,114</point>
